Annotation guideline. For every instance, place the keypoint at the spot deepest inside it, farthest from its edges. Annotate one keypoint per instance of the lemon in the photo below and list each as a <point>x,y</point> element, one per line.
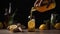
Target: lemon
<point>12,27</point>
<point>42,27</point>
<point>57,26</point>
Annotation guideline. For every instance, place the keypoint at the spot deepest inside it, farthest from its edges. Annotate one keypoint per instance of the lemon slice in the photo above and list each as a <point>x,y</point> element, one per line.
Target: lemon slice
<point>12,27</point>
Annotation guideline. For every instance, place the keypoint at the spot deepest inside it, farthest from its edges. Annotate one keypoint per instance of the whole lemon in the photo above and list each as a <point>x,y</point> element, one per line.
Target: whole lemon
<point>57,26</point>
<point>43,27</point>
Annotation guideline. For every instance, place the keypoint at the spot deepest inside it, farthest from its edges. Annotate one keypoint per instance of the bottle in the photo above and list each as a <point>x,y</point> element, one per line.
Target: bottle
<point>31,25</point>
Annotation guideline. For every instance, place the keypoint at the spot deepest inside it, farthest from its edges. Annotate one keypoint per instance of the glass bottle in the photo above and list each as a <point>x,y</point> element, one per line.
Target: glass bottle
<point>31,24</point>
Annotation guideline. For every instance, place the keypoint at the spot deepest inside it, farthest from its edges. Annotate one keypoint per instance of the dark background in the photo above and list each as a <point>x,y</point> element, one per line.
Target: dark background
<point>23,11</point>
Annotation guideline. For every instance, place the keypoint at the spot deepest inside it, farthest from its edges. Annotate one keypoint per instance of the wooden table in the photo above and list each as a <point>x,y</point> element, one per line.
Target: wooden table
<point>26,32</point>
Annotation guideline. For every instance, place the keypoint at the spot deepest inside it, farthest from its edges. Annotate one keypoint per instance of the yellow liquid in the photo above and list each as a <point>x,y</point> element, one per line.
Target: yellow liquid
<point>31,25</point>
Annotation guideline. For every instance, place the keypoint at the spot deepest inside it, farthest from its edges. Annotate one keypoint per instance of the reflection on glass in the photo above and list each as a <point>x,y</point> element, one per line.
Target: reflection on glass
<point>53,20</point>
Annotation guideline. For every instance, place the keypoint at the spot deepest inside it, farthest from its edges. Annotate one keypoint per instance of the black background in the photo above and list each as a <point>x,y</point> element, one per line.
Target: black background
<point>23,11</point>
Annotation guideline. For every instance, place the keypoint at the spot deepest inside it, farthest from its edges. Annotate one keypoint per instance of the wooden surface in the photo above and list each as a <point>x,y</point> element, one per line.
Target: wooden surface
<point>37,32</point>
